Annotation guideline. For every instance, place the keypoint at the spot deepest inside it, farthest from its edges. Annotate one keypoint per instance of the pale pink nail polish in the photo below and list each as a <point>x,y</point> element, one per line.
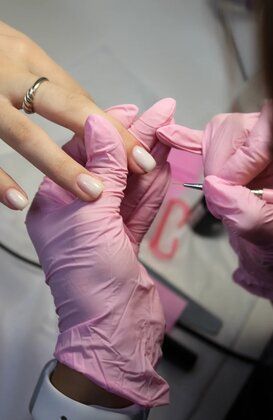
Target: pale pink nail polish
<point>16,199</point>
<point>90,185</point>
<point>143,159</point>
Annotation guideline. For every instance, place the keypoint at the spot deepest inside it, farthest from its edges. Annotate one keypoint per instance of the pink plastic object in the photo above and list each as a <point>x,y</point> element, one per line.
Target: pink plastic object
<point>236,152</point>
<point>110,317</point>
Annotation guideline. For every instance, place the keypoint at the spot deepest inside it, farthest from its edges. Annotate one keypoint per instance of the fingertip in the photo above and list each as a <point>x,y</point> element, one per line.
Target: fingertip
<point>15,199</point>
<point>144,159</point>
<point>160,113</point>
<point>90,185</point>
<point>180,137</point>
<point>170,104</point>
<point>91,122</point>
<point>166,106</point>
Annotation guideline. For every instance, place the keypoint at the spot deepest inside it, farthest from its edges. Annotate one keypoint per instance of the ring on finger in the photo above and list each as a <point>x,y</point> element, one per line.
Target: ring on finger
<point>29,96</point>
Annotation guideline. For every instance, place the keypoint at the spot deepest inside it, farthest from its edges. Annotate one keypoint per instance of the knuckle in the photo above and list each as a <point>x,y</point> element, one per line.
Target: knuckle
<point>22,46</point>
<point>18,47</point>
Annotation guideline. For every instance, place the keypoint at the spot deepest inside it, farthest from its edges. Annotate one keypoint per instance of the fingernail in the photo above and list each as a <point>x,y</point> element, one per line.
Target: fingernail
<point>90,185</point>
<point>16,199</point>
<point>144,159</point>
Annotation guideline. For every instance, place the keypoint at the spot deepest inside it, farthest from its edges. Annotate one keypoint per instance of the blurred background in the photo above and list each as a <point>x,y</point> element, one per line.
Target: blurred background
<point>204,54</point>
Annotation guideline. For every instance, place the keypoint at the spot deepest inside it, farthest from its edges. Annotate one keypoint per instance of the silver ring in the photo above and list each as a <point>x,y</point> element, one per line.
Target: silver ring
<point>29,96</point>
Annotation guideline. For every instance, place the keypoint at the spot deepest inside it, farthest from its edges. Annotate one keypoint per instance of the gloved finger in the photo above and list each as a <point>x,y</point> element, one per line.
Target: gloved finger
<point>138,216</point>
<point>147,191</point>
<point>126,114</point>
<point>93,142</point>
<point>144,194</point>
<point>11,194</point>
<point>138,187</point>
<point>223,135</point>
<point>254,156</point>
<point>159,115</point>
<point>106,155</point>
<point>181,137</point>
<point>240,210</point>
<point>143,128</point>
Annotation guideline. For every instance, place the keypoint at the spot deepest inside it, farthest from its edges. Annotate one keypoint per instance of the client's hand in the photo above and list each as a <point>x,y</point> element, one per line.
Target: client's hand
<point>236,153</point>
<point>61,100</point>
<point>110,318</point>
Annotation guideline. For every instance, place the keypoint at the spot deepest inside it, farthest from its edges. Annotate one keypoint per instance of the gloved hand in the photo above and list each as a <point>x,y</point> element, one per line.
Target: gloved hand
<point>236,153</point>
<point>144,194</point>
<point>110,318</point>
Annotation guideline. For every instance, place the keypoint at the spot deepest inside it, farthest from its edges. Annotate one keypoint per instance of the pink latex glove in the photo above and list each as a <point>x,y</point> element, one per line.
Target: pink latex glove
<point>235,149</point>
<point>110,318</point>
<point>144,194</point>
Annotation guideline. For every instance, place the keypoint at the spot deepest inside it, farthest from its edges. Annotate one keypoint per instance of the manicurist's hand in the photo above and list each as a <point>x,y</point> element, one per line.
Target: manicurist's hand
<point>60,100</point>
<point>237,156</point>
<point>110,318</point>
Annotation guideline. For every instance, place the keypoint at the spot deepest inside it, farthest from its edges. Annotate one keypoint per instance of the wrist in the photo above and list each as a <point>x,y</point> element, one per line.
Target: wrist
<point>79,388</point>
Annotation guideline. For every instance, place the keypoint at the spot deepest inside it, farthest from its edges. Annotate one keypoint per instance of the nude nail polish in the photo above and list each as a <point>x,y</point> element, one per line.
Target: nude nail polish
<point>90,185</point>
<point>143,159</point>
<point>16,199</point>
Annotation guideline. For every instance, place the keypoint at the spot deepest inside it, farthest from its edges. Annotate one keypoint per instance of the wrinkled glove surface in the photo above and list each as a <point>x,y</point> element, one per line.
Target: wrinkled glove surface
<point>236,154</point>
<point>110,317</point>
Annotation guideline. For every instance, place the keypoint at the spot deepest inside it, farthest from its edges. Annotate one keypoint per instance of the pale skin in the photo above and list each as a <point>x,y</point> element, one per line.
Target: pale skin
<point>63,101</point>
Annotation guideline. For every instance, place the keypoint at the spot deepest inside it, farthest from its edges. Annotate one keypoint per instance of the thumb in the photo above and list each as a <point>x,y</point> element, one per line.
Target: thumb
<point>181,137</point>
<point>125,114</point>
<point>105,152</point>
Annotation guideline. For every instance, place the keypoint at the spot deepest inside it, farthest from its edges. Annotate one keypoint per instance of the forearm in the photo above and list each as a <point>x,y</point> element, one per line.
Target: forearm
<point>79,388</point>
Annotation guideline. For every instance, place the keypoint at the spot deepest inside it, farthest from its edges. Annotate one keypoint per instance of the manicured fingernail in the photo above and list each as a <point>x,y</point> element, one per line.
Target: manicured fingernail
<point>144,159</point>
<point>16,199</point>
<point>90,185</point>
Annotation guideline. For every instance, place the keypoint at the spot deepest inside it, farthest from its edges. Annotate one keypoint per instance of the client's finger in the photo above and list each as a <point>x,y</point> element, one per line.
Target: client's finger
<point>35,145</point>
<point>11,195</point>
<point>71,111</point>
